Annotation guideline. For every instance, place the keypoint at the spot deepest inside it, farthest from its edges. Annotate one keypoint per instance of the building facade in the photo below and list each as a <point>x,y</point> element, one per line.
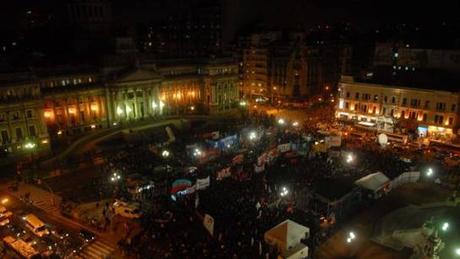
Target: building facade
<point>431,113</point>
<point>43,108</point>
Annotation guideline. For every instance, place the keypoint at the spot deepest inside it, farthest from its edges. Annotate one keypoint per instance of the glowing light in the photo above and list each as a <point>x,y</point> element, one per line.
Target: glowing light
<point>45,141</point>
<point>445,226</point>
<point>252,135</point>
<point>351,237</point>
<point>94,107</point>
<point>457,251</point>
<point>48,114</point>
<point>192,108</point>
<point>93,126</point>
<point>295,124</point>
<point>281,122</point>
<point>128,109</point>
<point>59,132</point>
<point>197,152</point>
<point>165,153</point>
<point>161,105</point>
<point>284,192</point>
<point>5,201</point>
<point>72,110</point>
<point>243,103</point>
<point>29,145</point>
<point>429,172</point>
<point>349,158</point>
<point>341,104</point>
<point>154,105</point>
<point>119,111</point>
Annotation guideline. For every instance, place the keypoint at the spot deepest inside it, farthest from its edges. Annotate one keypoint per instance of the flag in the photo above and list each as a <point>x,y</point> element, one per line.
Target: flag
<point>208,223</point>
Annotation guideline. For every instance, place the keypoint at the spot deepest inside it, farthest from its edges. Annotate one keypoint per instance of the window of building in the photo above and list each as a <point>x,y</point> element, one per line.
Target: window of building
<point>440,107</point>
<point>29,114</point>
<point>347,105</point>
<point>32,131</point>
<point>404,102</point>
<point>414,103</point>
<point>376,97</point>
<point>427,105</point>
<point>453,108</point>
<point>438,119</point>
<point>451,121</point>
<point>356,107</point>
<point>384,111</point>
<point>374,110</point>
<point>385,99</point>
<point>356,96</point>
<point>19,135</point>
<point>5,138</point>
<point>392,112</point>
<point>412,115</point>
<point>425,117</point>
<point>348,94</point>
<point>403,113</point>
<point>393,99</point>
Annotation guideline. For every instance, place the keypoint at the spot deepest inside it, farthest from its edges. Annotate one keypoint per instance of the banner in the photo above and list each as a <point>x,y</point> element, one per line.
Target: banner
<point>208,223</point>
<point>224,173</point>
<point>180,185</point>
<point>284,147</point>
<point>203,183</point>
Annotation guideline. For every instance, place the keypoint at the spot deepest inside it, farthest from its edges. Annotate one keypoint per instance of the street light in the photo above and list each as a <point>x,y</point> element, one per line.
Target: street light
<point>197,152</point>
<point>165,153</point>
<point>429,172</point>
<point>295,124</point>
<point>457,251</point>
<point>445,226</point>
<point>281,121</point>
<point>29,145</point>
<point>115,177</point>
<point>351,237</point>
<point>252,135</point>
<point>349,158</point>
<point>243,103</point>
<point>284,192</point>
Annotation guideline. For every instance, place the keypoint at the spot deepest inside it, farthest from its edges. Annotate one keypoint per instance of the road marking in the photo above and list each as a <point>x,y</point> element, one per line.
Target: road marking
<point>97,250</point>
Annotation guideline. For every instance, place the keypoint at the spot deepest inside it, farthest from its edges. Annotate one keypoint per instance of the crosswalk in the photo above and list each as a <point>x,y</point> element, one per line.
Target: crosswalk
<point>97,250</point>
<point>46,206</point>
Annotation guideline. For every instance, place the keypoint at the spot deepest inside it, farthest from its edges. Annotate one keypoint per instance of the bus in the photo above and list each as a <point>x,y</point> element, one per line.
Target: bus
<point>20,248</point>
<point>396,138</point>
<point>35,225</point>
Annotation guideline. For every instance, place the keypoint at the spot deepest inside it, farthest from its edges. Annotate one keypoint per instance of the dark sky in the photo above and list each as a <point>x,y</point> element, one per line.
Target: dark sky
<point>280,12</point>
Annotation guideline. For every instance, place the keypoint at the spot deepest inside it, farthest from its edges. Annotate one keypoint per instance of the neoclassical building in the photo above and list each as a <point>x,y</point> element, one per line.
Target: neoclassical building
<point>45,106</point>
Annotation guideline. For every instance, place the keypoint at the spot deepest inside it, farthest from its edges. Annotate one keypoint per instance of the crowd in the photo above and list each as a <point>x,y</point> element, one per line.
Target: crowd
<point>245,208</point>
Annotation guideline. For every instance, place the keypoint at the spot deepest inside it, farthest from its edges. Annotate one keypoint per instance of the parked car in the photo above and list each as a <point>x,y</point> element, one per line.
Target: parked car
<point>127,210</point>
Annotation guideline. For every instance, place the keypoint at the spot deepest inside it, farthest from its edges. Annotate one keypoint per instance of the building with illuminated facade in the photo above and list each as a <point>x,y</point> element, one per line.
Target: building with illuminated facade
<point>433,113</point>
<point>44,105</point>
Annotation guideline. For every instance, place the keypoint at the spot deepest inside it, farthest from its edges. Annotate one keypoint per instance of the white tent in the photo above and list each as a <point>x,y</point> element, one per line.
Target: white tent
<point>286,236</point>
<point>375,182</point>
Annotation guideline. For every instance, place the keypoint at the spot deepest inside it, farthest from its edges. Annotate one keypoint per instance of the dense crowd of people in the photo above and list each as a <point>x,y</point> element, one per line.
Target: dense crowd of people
<point>244,208</point>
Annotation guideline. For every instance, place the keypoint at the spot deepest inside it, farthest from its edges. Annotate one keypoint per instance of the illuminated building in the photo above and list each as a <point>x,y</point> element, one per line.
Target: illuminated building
<point>21,119</point>
<point>434,113</point>
<point>55,103</point>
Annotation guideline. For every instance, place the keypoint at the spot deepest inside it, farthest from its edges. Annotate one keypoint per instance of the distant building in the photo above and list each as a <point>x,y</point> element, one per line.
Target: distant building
<point>430,112</point>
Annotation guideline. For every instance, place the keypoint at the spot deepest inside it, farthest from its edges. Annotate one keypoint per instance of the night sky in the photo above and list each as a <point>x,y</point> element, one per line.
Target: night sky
<point>275,13</point>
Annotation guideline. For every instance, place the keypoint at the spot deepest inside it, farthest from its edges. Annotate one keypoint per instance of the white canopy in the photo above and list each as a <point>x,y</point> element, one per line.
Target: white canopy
<point>373,182</point>
<point>286,236</point>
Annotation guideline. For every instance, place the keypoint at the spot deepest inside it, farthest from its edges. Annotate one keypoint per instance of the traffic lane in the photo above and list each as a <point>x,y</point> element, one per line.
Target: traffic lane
<point>62,238</point>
